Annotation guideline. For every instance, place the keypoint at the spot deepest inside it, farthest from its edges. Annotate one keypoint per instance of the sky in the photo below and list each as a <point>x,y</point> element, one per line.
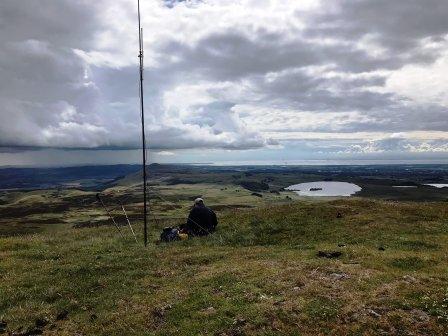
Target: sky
<point>225,81</point>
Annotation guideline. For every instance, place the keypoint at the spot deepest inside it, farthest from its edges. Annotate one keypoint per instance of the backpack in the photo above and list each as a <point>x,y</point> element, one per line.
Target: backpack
<point>169,234</point>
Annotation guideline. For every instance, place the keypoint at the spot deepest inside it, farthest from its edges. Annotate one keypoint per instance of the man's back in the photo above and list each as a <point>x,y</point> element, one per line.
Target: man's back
<point>201,221</point>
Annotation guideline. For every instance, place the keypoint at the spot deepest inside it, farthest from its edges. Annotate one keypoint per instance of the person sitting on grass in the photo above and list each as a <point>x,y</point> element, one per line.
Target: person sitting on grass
<point>201,220</point>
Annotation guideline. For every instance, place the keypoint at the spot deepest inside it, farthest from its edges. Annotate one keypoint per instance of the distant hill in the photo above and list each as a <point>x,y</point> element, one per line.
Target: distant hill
<point>378,181</point>
<point>85,177</point>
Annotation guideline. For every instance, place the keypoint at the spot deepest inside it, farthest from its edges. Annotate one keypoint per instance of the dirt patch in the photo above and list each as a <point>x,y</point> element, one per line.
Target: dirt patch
<point>20,212</point>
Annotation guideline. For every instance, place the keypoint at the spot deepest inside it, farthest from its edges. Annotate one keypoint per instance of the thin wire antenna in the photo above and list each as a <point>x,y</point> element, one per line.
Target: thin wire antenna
<point>109,214</point>
<point>129,222</point>
<point>142,114</point>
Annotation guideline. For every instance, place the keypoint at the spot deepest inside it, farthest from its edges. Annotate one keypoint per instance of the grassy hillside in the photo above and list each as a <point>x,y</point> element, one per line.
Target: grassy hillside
<point>259,274</point>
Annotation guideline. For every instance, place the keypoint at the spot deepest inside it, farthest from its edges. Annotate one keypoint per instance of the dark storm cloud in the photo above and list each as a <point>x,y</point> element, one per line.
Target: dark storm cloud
<point>311,92</point>
<point>64,23</point>
<point>232,55</point>
<point>41,79</point>
<point>399,24</point>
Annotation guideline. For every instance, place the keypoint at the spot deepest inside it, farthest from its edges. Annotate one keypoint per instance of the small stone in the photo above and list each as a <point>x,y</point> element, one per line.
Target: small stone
<point>409,279</point>
<point>381,248</point>
<point>342,245</point>
<point>373,313</point>
<point>93,317</point>
<point>339,276</point>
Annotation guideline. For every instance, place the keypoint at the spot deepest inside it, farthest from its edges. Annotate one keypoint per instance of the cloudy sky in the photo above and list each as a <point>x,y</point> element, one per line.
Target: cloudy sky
<point>225,80</point>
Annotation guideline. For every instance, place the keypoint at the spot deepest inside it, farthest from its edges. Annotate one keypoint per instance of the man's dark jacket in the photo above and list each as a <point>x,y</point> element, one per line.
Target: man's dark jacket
<point>201,221</point>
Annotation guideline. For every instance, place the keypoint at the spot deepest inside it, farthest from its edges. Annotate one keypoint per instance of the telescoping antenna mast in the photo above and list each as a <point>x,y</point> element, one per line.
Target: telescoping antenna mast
<point>142,113</point>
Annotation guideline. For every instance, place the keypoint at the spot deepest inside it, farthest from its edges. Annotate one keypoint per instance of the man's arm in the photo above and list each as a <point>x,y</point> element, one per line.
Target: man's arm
<point>214,220</point>
<point>190,225</point>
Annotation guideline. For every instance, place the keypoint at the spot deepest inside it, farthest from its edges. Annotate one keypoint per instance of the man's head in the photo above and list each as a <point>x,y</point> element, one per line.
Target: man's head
<point>198,202</point>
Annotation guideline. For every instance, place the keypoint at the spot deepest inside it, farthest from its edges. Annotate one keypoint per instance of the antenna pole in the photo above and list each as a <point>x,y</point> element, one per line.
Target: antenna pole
<point>142,113</point>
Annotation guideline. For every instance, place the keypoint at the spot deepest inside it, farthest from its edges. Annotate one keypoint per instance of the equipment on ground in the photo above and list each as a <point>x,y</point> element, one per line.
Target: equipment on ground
<point>169,234</point>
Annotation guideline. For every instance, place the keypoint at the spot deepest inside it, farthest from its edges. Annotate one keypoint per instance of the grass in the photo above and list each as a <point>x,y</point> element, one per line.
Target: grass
<point>259,274</point>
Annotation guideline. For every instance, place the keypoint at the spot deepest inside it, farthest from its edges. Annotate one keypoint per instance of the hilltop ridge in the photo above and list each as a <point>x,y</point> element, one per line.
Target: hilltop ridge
<point>259,274</point>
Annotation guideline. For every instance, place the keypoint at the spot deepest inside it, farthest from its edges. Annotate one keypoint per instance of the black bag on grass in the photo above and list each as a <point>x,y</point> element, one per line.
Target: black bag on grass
<point>169,234</point>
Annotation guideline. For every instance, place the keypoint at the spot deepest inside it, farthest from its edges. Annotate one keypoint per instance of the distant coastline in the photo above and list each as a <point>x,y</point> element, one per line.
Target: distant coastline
<point>359,162</point>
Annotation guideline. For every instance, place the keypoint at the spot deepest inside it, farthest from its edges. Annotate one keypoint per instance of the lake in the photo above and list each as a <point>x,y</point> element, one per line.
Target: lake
<point>325,188</point>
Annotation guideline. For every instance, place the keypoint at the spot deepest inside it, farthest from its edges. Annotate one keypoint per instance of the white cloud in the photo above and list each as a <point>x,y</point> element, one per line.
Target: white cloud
<point>423,84</point>
<point>165,153</point>
<point>396,144</point>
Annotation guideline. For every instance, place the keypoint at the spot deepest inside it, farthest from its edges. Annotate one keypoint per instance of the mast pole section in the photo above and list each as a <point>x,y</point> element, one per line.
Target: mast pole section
<point>142,114</point>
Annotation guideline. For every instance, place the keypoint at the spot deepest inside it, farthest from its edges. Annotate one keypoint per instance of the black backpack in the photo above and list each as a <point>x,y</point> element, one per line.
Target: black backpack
<point>169,234</point>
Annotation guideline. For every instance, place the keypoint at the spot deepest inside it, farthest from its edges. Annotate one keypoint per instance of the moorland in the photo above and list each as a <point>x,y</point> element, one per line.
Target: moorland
<point>279,263</point>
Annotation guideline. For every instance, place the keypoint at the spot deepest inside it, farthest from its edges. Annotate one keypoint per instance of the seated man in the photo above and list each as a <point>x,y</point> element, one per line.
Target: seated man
<point>201,220</point>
